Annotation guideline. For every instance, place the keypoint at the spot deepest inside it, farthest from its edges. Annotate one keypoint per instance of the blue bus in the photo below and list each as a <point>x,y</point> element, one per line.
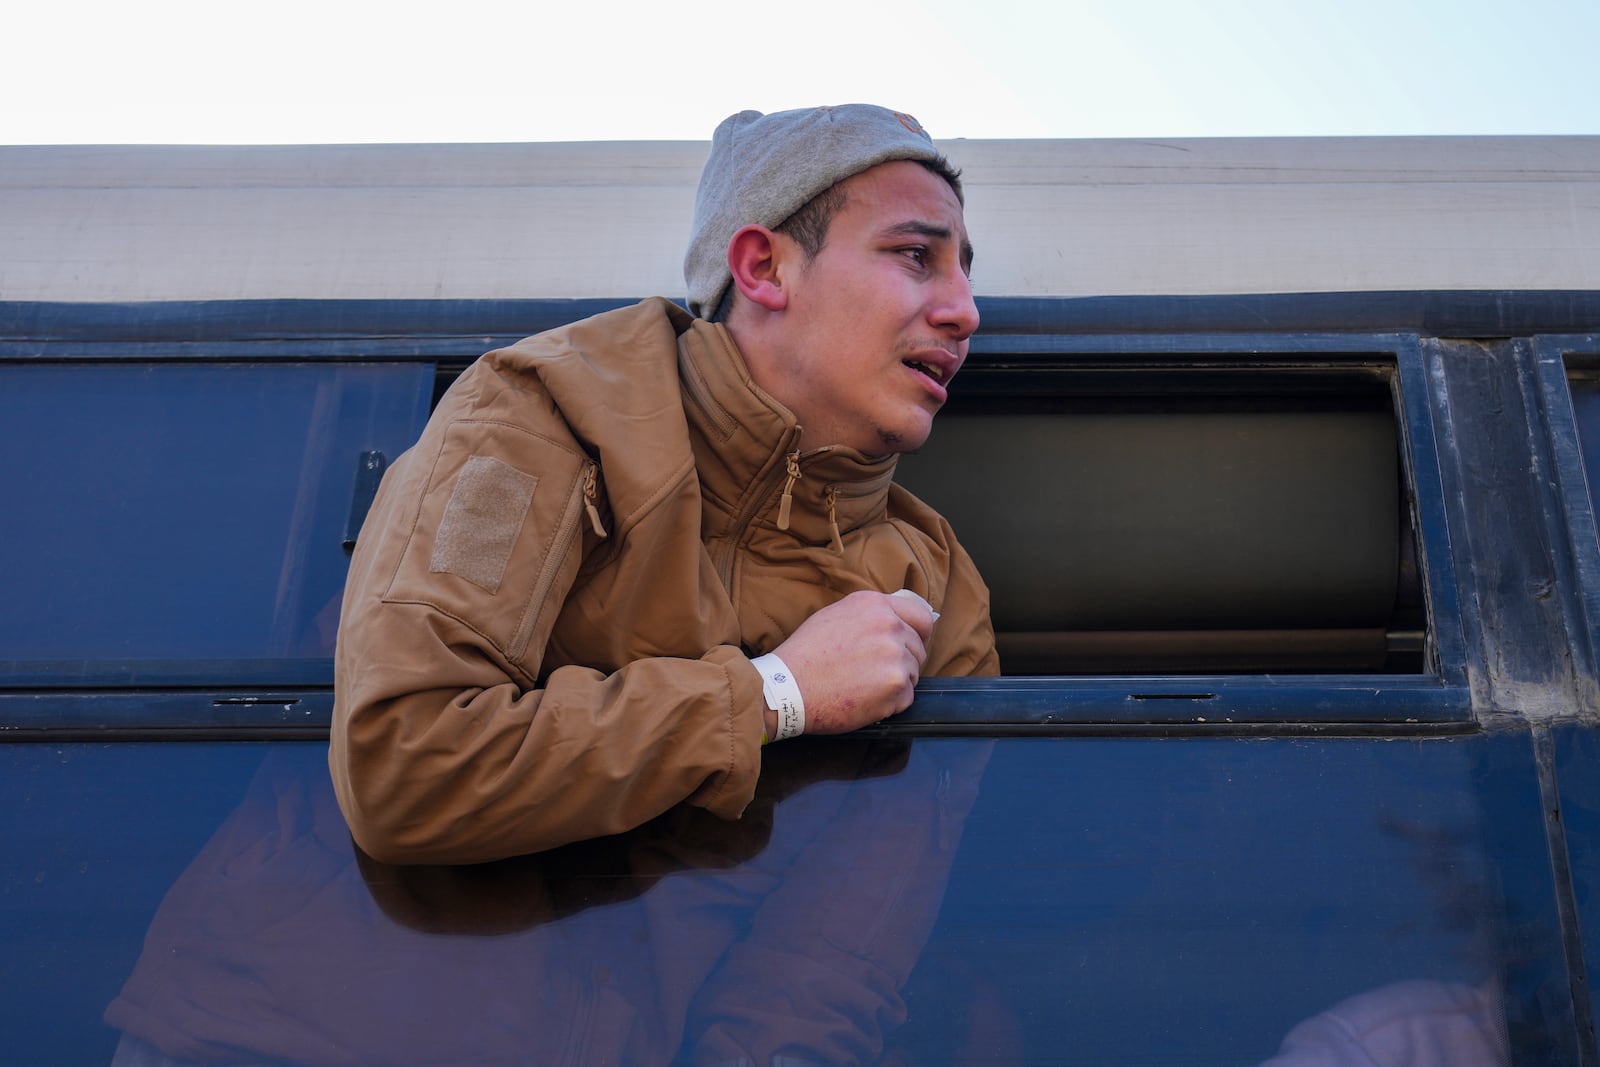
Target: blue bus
<point>1278,457</point>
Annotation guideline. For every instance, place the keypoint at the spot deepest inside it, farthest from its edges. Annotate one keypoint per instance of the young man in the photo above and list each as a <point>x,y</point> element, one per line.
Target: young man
<point>627,553</point>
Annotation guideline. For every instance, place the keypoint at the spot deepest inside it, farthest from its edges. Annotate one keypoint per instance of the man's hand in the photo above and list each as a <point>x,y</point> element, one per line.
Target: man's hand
<point>857,661</point>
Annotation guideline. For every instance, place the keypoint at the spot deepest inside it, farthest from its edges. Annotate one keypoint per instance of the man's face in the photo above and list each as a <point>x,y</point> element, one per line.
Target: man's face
<point>879,318</point>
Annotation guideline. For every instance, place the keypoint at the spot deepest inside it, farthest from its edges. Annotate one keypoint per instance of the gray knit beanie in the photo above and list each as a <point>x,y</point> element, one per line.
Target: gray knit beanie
<point>764,168</point>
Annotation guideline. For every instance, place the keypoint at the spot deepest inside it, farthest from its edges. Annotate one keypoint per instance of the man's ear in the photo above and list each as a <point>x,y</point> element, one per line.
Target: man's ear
<point>754,254</point>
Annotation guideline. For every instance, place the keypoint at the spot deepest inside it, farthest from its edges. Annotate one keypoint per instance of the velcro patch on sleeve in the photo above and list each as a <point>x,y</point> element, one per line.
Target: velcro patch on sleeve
<point>480,525</point>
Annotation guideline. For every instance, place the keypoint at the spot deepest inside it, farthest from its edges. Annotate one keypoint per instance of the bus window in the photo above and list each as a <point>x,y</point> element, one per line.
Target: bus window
<point>185,522</point>
<point>1139,516</point>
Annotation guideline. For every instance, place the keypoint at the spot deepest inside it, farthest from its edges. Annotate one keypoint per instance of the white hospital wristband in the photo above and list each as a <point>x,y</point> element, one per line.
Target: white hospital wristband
<point>783,695</point>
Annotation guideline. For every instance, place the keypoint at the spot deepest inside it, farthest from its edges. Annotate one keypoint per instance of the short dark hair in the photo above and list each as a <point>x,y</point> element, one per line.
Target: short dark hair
<point>808,226</point>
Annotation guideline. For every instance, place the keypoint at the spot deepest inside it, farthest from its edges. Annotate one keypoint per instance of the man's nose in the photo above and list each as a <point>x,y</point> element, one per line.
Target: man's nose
<point>956,313</point>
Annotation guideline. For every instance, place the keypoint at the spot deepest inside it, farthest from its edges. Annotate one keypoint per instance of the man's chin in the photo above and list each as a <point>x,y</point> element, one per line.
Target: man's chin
<point>908,439</point>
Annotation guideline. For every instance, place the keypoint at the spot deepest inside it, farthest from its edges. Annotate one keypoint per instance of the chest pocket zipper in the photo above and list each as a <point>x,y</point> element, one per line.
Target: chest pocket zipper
<point>833,519</point>
<point>591,498</point>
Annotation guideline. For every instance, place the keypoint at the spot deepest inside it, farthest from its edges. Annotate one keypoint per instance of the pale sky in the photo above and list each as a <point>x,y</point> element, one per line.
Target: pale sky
<point>328,71</point>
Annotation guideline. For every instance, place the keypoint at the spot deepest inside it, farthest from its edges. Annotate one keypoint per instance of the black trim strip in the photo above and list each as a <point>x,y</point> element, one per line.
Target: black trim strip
<point>481,324</point>
<point>1170,730</point>
<point>273,732</point>
<point>1254,706</point>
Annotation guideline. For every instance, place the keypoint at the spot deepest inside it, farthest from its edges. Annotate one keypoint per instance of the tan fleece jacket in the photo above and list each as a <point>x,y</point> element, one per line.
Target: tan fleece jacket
<point>550,611</point>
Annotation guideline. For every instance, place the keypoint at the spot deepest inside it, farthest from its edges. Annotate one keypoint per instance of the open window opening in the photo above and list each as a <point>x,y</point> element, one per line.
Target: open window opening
<point>1138,515</point>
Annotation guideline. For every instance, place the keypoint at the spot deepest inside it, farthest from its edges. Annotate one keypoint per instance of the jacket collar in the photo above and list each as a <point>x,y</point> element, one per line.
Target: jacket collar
<point>745,446</point>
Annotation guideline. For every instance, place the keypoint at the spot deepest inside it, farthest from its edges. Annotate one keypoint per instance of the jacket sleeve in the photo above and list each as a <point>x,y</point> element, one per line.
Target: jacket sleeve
<point>963,638</point>
<point>963,641</point>
<point>447,746</point>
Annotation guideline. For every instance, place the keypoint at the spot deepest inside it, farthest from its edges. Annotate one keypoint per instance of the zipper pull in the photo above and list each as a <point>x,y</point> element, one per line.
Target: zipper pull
<point>591,496</point>
<point>787,500</point>
<point>833,520</point>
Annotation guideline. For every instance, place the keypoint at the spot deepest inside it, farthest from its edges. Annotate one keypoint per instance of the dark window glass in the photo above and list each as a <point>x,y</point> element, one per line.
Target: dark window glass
<point>185,521</point>
<point>1174,521</point>
<point>947,901</point>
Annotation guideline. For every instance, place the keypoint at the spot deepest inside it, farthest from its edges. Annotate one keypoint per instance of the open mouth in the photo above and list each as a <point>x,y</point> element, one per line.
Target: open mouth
<point>922,368</point>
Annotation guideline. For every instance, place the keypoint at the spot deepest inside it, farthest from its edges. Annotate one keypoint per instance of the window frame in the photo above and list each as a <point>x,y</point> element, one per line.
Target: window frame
<point>1243,702</point>
<point>1438,700</point>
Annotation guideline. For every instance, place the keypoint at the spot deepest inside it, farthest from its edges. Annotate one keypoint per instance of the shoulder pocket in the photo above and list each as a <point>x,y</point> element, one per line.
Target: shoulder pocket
<point>496,533</point>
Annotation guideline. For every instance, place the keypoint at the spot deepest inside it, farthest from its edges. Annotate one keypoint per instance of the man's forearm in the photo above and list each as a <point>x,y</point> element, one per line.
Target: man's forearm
<point>483,772</point>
